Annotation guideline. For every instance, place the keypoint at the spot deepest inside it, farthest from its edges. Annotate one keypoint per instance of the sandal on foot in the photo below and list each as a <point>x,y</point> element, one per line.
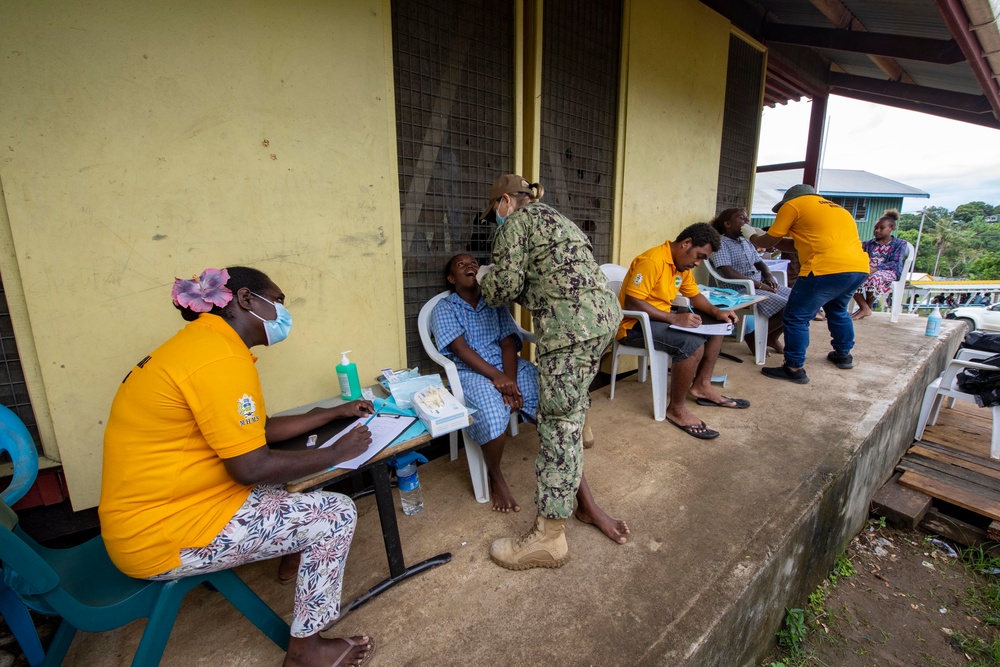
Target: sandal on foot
<point>738,403</point>
<point>351,644</point>
<point>699,431</point>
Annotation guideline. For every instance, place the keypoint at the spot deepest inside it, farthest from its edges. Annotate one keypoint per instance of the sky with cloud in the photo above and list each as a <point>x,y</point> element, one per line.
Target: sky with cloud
<point>953,162</point>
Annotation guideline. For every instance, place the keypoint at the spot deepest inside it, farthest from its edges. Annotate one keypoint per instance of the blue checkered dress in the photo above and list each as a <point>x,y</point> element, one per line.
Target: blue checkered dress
<point>740,255</point>
<point>483,328</point>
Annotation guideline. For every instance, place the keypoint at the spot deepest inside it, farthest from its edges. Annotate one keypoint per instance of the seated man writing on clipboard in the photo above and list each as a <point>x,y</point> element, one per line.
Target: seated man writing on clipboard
<point>652,283</point>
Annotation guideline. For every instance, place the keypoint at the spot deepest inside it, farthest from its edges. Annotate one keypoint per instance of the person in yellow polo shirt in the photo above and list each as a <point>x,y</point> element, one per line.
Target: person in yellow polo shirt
<point>652,283</point>
<point>833,267</point>
<point>189,484</point>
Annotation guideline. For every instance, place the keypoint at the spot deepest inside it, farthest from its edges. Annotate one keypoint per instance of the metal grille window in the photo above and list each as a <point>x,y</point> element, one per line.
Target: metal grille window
<point>13,389</point>
<point>740,124</point>
<point>453,65</point>
<point>581,45</point>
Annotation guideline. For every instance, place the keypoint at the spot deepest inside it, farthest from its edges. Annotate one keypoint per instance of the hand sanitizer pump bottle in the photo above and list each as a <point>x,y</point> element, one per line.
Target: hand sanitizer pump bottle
<point>347,377</point>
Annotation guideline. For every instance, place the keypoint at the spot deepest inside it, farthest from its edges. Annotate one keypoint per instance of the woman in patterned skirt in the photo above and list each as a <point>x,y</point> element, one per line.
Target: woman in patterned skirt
<point>886,254</point>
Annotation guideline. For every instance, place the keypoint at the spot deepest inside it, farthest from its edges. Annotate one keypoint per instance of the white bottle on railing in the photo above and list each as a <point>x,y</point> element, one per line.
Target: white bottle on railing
<point>933,323</point>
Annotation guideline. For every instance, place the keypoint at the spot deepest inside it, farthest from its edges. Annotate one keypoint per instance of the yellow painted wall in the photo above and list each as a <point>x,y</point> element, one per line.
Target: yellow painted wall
<point>144,141</point>
<point>676,59</point>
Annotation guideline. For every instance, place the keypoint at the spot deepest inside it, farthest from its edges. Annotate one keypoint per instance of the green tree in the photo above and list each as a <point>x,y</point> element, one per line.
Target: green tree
<point>985,267</point>
<point>971,211</point>
<point>909,222</point>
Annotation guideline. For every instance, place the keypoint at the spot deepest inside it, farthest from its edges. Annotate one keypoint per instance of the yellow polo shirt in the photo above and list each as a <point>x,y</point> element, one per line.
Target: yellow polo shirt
<point>193,402</point>
<point>654,278</point>
<point>825,235</point>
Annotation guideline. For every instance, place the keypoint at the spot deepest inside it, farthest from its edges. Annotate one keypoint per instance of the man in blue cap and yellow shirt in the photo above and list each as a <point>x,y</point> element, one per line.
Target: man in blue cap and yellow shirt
<point>833,267</point>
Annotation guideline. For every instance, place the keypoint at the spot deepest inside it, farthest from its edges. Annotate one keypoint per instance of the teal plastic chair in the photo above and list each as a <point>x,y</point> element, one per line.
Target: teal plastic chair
<point>84,588</point>
<point>16,441</point>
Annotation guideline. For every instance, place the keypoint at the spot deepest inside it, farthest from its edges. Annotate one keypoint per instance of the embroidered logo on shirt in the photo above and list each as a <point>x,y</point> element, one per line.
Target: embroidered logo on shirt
<point>637,280</point>
<point>247,409</point>
<point>677,281</point>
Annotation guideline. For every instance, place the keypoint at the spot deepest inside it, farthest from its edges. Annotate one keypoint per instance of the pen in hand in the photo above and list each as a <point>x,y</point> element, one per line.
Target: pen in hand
<point>374,415</point>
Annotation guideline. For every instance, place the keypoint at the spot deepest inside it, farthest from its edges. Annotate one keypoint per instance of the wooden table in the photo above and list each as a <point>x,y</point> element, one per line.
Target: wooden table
<point>379,469</point>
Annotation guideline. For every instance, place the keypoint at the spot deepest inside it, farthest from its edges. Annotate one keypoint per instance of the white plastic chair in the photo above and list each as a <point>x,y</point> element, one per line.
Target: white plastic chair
<point>473,451</point>
<point>898,290</point>
<point>944,390</point>
<point>760,321</point>
<point>657,362</point>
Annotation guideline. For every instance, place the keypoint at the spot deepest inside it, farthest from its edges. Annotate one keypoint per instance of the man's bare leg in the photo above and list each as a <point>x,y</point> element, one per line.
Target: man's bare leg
<point>503,500</point>
<point>588,511</point>
<point>682,375</point>
<point>702,384</point>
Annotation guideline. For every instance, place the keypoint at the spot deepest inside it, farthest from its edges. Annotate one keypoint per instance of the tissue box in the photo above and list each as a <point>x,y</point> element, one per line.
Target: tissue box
<point>440,411</point>
<point>410,382</point>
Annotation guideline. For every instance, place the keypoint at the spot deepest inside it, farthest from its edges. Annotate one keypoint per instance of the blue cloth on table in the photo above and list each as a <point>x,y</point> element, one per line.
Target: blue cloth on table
<point>722,297</point>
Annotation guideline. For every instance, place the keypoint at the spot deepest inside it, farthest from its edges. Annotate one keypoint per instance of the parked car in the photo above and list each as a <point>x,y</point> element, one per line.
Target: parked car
<point>978,317</point>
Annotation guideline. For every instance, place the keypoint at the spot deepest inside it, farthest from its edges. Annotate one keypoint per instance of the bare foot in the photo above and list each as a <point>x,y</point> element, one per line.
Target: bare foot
<point>503,500</point>
<point>683,416</point>
<point>321,652</point>
<point>616,529</point>
<point>861,313</point>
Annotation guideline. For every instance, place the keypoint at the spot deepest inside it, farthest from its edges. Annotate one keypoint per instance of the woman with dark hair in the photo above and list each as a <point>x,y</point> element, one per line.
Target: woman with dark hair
<point>190,486</point>
<point>736,259</point>
<point>886,255</point>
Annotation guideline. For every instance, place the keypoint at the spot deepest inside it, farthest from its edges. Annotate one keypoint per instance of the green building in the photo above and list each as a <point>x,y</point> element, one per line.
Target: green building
<point>864,194</point>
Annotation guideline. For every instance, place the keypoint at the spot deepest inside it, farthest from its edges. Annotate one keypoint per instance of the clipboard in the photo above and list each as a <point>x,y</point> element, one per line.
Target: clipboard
<point>384,428</point>
<point>710,326</point>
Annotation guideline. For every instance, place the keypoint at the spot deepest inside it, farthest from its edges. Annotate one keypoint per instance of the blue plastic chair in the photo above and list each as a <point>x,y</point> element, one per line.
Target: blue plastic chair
<point>16,441</point>
<point>84,587</point>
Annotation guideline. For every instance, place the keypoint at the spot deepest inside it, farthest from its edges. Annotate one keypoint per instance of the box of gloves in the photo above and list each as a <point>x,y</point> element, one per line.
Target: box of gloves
<point>439,411</point>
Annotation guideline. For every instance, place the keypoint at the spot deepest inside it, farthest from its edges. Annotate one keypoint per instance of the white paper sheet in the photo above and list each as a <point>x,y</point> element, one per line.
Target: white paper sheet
<point>384,428</point>
<point>723,329</point>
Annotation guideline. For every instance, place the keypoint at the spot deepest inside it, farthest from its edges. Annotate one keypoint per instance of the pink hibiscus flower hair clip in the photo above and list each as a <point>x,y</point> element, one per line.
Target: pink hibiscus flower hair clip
<point>204,292</point>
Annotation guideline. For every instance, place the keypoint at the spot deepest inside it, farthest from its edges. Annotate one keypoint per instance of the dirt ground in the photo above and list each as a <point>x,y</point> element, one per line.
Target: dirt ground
<point>907,604</point>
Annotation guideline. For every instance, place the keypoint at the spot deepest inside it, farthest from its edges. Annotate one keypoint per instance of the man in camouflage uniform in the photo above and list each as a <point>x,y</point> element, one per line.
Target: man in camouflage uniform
<point>544,262</point>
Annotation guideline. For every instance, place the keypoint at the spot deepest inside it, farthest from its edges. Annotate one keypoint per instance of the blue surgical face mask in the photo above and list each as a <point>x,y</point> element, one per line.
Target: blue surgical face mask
<point>278,328</point>
<point>500,220</point>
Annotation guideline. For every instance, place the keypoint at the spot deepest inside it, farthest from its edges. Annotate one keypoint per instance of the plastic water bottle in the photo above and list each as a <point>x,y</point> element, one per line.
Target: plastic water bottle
<point>410,496</point>
<point>933,323</point>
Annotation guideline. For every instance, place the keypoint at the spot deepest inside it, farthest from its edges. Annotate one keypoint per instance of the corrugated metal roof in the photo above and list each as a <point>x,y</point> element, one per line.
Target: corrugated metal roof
<point>791,76</point>
<point>770,186</point>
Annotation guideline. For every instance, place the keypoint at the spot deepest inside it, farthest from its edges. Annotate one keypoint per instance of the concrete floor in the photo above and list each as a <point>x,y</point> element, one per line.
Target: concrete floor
<point>725,533</point>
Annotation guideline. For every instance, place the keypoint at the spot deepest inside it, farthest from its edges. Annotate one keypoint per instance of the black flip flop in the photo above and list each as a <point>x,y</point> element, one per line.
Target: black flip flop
<point>700,431</point>
<point>741,403</point>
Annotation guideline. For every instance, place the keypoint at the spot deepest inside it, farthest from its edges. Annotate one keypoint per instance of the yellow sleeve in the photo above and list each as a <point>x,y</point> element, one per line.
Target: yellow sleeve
<point>642,278</point>
<point>783,221</point>
<point>227,403</point>
<point>689,287</point>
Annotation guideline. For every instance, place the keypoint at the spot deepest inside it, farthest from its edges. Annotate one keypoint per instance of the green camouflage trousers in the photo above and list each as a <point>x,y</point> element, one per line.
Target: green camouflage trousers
<point>564,377</point>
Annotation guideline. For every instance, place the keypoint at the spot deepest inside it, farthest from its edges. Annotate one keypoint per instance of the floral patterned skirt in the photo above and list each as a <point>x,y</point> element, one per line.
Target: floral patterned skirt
<point>273,522</point>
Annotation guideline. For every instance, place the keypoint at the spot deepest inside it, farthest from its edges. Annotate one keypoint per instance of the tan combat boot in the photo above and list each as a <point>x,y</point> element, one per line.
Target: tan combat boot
<point>543,546</point>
